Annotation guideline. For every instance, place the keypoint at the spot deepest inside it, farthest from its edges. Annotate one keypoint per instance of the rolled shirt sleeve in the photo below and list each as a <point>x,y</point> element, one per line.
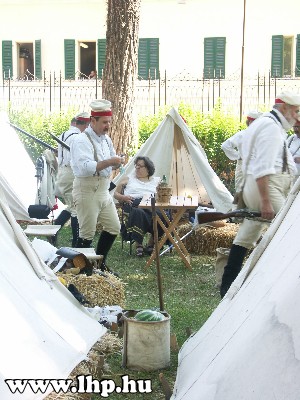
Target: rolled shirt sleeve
<point>232,146</point>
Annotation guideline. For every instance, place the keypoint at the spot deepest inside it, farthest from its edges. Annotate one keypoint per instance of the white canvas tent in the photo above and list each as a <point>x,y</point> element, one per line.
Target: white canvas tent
<point>249,348</point>
<point>16,169</point>
<point>45,332</point>
<point>17,174</point>
<point>177,154</point>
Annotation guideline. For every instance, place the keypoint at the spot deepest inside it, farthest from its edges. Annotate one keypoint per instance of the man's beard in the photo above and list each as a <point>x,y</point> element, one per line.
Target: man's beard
<point>288,116</point>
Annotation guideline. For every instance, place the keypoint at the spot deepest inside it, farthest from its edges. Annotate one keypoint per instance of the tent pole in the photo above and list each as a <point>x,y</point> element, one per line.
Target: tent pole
<point>156,249</point>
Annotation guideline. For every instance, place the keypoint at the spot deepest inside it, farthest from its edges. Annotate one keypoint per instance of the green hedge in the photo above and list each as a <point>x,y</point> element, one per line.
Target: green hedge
<point>210,129</point>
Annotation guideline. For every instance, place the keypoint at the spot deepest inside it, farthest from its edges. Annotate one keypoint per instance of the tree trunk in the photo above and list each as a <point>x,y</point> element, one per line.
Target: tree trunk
<point>120,71</point>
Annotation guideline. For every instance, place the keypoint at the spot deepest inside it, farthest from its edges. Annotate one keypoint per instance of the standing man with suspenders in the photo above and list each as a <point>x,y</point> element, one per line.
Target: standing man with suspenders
<point>93,158</point>
<point>269,170</point>
<point>65,176</point>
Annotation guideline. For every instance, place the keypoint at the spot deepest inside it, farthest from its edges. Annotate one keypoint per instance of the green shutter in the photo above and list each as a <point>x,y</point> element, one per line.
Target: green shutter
<point>297,67</point>
<point>7,65</point>
<point>38,60</point>
<point>214,57</point>
<point>220,44</point>
<point>209,58</point>
<point>148,58</point>
<point>69,59</point>
<point>101,43</point>
<point>143,59</point>
<point>277,56</point>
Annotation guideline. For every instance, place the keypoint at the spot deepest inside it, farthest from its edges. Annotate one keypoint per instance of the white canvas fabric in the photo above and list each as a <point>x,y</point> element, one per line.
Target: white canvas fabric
<point>17,175</point>
<point>177,154</point>
<point>45,332</point>
<point>16,205</point>
<point>16,168</point>
<point>249,348</point>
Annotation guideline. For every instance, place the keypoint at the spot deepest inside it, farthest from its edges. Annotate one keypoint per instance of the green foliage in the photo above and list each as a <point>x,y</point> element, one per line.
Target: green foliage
<point>37,124</point>
<point>148,124</point>
<point>211,130</point>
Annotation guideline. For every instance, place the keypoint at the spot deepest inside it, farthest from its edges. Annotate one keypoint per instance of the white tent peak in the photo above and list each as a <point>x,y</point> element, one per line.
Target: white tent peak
<point>177,154</point>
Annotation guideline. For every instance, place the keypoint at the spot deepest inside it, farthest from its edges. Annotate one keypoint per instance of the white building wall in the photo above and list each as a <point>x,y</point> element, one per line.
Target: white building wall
<point>181,29</point>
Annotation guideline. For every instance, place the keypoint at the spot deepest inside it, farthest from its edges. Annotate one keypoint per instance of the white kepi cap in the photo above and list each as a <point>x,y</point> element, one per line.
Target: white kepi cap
<point>288,98</point>
<point>101,108</point>
<point>84,116</point>
<point>252,115</point>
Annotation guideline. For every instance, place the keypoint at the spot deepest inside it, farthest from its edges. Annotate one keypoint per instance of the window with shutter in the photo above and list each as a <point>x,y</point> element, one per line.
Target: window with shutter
<point>101,56</point>
<point>214,57</point>
<point>7,61</point>
<point>69,47</point>
<point>38,60</point>
<point>148,58</point>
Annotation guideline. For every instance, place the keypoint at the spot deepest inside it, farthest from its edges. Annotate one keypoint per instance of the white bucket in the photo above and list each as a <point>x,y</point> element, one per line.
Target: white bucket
<point>146,344</point>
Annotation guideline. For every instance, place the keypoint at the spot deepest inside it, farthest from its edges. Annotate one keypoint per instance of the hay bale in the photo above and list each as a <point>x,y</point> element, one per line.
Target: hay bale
<point>206,239</point>
<point>98,290</point>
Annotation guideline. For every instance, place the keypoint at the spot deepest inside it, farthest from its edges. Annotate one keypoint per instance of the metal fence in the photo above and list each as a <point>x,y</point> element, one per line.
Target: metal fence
<point>53,93</point>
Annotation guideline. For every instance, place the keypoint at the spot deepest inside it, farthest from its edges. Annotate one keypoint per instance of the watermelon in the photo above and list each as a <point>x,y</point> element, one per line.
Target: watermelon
<point>149,316</point>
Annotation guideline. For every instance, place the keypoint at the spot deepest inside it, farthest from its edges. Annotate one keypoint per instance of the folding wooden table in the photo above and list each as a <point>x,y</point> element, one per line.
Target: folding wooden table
<point>180,204</point>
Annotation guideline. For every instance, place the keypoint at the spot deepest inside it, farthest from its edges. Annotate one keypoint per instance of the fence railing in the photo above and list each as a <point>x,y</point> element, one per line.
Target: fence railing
<point>53,93</point>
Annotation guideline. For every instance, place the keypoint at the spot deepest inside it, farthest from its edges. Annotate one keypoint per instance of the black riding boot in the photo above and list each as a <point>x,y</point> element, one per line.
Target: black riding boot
<point>75,230</point>
<point>63,217</point>
<point>83,243</point>
<point>105,243</point>
<point>233,267</point>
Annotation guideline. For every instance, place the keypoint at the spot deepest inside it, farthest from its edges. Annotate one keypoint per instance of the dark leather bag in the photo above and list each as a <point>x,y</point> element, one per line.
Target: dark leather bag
<point>39,211</point>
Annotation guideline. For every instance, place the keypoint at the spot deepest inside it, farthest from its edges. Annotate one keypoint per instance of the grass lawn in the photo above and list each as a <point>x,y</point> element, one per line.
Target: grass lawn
<point>189,297</point>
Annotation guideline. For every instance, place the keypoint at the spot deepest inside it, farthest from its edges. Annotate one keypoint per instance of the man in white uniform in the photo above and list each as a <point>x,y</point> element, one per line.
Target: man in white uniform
<point>232,147</point>
<point>293,143</point>
<point>270,170</point>
<point>65,176</point>
<point>92,159</point>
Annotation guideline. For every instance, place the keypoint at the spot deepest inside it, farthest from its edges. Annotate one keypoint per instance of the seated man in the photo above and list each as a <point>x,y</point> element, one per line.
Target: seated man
<point>129,192</point>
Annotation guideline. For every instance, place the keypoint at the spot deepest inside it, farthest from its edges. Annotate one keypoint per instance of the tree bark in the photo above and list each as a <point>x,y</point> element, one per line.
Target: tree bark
<point>120,71</point>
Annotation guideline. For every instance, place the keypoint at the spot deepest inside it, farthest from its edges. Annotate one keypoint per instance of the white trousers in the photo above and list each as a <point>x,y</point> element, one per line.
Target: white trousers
<point>64,187</point>
<point>94,205</point>
<point>279,187</point>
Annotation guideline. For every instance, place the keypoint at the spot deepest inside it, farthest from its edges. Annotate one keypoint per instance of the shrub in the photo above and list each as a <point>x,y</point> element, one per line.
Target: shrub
<point>37,124</point>
<point>210,130</point>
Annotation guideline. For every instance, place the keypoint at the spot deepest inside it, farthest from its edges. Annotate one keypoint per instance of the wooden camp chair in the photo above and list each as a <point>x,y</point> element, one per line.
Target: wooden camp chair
<point>124,217</point>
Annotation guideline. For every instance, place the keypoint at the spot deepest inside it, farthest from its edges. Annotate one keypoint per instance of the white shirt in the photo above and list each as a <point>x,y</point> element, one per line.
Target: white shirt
<point>137,188</point>
<point>64,156</point>
<point>232,147</point>
<point>83,161</point>
<point>267,150</point>
<point>293,143</point>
